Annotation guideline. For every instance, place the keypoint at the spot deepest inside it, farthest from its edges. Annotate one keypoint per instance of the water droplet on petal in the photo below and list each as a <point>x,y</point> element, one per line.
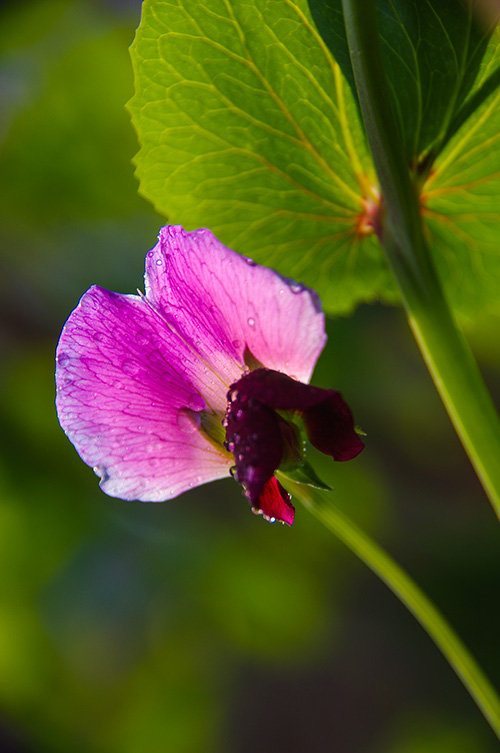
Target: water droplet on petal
<point>250,262</point>
<point>62,358</point>
<point>233,396</point>
<point>250,474</point>
<point>101,470</point>
<point>296,287</point>
<point>225,422</point>
<point>159,262</point>
<point>188,421</point>
<point>234,472</point>
<point>196,402</point>
<point>251,321</point>
<point>142,337</point>
<point>130,367</point>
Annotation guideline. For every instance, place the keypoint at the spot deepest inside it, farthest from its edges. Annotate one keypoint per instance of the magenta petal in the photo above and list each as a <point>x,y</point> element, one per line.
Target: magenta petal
<point>224,304</point>
<point>327,418</point>
<point>126,401</point>
<point>274,503</point>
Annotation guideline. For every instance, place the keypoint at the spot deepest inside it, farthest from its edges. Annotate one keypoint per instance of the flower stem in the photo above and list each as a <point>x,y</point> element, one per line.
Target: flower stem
<point>408,593</point>
<point>445,351</point>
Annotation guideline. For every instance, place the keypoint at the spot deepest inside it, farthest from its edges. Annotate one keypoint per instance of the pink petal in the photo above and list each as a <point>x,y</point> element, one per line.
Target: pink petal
<point>127,398</point>
<point>224,304</point>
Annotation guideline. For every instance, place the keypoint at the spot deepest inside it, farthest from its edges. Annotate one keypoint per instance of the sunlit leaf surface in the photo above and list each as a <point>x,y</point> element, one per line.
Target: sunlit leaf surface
<point>461,204</point>
<point>248,126</point>
<point>432,53</point>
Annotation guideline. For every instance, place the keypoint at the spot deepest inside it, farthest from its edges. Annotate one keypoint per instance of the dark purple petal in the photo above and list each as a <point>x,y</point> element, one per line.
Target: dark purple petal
<point>274,503</point>
<point>128,397</point>
<point>253,436</point>
<point>327,418</point>
<point>330,428</point>
<point>223,304</point>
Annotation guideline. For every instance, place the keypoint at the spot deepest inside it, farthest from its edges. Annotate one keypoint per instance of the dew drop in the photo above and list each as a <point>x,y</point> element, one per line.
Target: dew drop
<point>251,321</point>
<point>159,262</point>
<point>62,358</point>
<point>250,262</point>
<point>230,446</point>
<point>233,396</point>
<point>234,472</point>
<point>225,422</point>
<point>251,473</point>
<point>240,457</point>
<point>143,337</point>
<point>101,471</point>
<point>130,367</point>
<point>187,421</point>
<point>295,287</point>
<point>195,402</point>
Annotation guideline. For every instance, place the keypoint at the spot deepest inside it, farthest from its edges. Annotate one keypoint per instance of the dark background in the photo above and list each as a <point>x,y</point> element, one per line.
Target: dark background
<point>193,626</point>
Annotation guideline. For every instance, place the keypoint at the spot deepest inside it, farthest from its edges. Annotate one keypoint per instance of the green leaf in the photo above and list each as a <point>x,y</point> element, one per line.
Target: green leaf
<point>461,205</point>
<point>248,127</point>
<point>305,474</point>
<point>432,53</point>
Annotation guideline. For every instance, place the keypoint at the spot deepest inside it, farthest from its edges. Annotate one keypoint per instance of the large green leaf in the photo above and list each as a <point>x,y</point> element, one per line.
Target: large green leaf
<point>247,126</point>
<point>461,202</point>
<point>443,68</point>
<point>432,53</point>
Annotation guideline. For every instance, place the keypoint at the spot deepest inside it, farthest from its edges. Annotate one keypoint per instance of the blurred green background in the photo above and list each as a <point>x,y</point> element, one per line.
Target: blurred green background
<point>193,626</point>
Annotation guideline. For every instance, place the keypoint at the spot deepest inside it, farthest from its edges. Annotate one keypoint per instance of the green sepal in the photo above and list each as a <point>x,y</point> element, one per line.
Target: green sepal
<point>305,474</point>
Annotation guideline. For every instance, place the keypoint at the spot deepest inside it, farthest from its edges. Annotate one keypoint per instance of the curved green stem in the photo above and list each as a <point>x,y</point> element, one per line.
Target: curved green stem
<point>407,592</point>
<point>443,347</point>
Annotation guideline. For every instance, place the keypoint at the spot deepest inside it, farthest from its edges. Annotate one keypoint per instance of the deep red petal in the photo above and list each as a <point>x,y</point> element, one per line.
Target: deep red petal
<point>253,436</point>
<point>330,428</point>
<point>327,417</point>
<point>274,503</point>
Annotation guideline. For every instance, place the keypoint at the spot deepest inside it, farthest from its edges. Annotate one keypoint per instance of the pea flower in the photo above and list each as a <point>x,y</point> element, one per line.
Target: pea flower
<point>205,374</point>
